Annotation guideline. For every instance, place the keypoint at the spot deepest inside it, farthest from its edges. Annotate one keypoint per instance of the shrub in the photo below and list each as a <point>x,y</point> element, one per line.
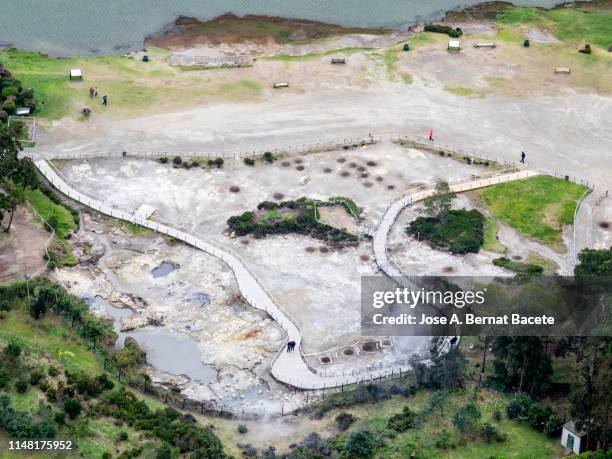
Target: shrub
<point>53,371</point>
<point>177,160</point>
<point>242,429</point>
<point>249,161</point>
<point>444,440</point>
<point>35,377</point>
<point>359,445</point>
<point>9,91</point>
<point>8,106</point>
<point>553,426</point>
<point>489,432</point>
<point>21,386</point>
<point>518,267</point>
<point>519,406</point>
<point>123,436</point>
<point>402,421</point>
<point>439,28</point>
<point>268,157</point>
<point>163,159</point>
<point>72,407</point>
<point>5,305</point>
<point>497,415</point>
<point>459,231</point>
<point>60,418</point>
<point>344,421</point>
<point>4,378</point>
<point>3,116</point>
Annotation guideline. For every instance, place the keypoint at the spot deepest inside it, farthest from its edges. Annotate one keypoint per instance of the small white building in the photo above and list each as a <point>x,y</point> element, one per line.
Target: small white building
<point>454,45</point>
<point>76,74</point>
<point>572,438</point>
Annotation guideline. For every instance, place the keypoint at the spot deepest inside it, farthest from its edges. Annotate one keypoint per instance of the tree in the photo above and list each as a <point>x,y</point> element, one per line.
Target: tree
<point>9,201</point>
<point>592,395</point>
<point>359,445</point>
<point>594,263</point>
<point>439,203</point>
<point>38,307</point>
<point>522,361</point>
<point>72,407</point>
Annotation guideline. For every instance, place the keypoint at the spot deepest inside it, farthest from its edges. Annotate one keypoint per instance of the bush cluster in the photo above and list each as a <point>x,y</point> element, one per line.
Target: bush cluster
<point>302,221</point>
<point>13,95</point>
<point>518,267</point>
<point>167,425</point>
<point>539,416</point>
<point>20,424</point>
<point>459,231</point>
<point>439,28</point>
<point>403,421</point>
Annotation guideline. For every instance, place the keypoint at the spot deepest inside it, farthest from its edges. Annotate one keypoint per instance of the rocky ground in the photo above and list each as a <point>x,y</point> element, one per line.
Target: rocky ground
<point>196,306</point>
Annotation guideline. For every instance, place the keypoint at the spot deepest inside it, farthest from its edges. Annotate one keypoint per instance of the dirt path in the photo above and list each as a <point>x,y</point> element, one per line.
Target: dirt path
<point>21,251</point>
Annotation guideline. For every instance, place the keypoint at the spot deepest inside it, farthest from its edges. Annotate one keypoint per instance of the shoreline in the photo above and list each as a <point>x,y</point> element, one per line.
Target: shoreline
<point>476,12</point>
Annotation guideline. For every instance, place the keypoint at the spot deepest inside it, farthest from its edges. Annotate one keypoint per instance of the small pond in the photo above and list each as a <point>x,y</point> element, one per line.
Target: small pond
<point>167,351</point>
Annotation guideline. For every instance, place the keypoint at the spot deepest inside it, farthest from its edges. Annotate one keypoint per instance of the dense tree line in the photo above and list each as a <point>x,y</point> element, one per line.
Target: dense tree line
<point>13,95</point>
<point>16,174</point>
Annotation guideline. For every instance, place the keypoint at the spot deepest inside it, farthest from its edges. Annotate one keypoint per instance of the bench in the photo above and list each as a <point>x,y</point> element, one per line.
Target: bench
<point>338,60</point>
<point>563,70</point>
<point>280,85</point>
<point>484,45</point>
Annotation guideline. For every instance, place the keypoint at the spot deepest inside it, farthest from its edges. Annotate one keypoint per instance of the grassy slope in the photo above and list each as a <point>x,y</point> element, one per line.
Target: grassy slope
<point>537,207</point>
<point>523,442</point>
<point>134,87</point>
<point>48,209</point>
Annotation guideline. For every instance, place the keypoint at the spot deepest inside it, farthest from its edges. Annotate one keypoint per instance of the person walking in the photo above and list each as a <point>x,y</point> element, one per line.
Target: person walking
<point>430,134</point>
<point>95,91</point>
<point>105,100</point>
<point>523,157</point>
<point>91,91</point>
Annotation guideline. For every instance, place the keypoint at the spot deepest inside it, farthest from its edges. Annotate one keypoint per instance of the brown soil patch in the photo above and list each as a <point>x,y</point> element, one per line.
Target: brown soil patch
<point>21,250</point>
<point>248,334</point>
<point>278,196</point>
<point>230,29</point>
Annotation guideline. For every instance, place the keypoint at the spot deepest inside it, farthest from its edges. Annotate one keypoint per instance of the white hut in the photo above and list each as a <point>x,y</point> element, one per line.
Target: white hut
<point>572,438</point>
<point>76,74</point>
<point>454,45</point>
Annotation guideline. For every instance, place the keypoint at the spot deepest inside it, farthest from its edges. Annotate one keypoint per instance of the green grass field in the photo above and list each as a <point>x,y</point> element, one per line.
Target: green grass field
<point>568,24</point>
<point>133,87</point>
<point>538,207</point>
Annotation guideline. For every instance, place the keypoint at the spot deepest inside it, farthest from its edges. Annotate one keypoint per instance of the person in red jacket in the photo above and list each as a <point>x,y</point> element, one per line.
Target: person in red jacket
<point>430,134</point>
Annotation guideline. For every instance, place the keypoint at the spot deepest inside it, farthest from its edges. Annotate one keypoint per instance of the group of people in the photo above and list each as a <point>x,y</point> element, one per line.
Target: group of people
<point>290,346</point>
<point>93,92</point>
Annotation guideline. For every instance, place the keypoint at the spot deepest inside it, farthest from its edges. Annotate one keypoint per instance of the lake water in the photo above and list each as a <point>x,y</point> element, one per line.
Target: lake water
<point>89,27</point>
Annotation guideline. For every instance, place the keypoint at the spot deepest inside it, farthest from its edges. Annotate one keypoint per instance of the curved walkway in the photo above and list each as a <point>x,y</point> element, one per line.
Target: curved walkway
<point>287,367</point>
